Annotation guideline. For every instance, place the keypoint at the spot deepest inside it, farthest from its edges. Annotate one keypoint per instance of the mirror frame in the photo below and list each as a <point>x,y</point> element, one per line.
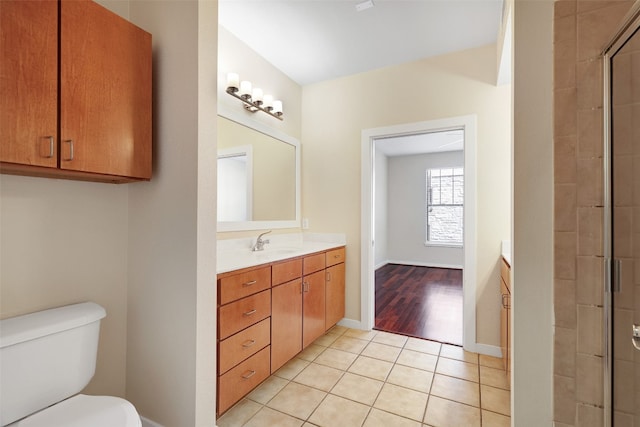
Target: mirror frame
<point>243,120</point>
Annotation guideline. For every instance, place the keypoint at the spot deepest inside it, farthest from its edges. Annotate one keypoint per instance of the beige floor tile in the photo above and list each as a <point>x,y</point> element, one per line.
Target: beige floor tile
<point>360,334</point>
<point>292,368</point>
<point>402,401</point>
<point>424,346</point>
<point>269,388</point>
<point>378,418</point>
<point>456,389</point>
<point>310,353</point>
<point>326,340</point>
<point>494,377</point>
<point>447,413</point>
<point>390,339</point>
<point>297,400</point>
<point>319,376</point>
<point>336,358</point>
<point>458,353</point>
<point>382,351</point>
<point>239,414</point>
<point>371,368</point>
<point>358,388</point>
<point>413,378</point>
<point>491,362</point>
<point>352,345</point>
<point>337,329</point>
<point>458,368</point>
<point>495,400</point>
<point>491,419</point>
<point>269,417</point>
<point>336,411</point>
<point>415,359</point>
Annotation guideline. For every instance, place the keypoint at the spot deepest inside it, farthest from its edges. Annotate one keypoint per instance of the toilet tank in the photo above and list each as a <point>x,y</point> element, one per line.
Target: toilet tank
<point>46,357</point>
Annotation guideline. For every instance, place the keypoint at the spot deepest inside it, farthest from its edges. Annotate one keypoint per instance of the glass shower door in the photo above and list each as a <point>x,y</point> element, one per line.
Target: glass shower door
<point>622,212</point>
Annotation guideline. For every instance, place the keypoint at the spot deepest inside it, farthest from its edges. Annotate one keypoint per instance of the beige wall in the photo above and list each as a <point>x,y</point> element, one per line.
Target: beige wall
<point>63,242</point>
<point>532,257</point>
<point>171,355</point>
<point>337,111</point>
<point>582,31</point>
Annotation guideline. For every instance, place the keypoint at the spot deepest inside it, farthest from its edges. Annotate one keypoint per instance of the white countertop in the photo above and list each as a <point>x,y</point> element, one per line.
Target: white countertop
<point>506,251</point>
<point>234,254</point>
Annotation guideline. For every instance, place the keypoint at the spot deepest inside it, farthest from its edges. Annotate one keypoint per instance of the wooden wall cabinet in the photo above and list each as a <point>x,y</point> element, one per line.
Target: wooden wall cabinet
<point>283,306</point>
<point>76,106</point>
<point>505,316</point>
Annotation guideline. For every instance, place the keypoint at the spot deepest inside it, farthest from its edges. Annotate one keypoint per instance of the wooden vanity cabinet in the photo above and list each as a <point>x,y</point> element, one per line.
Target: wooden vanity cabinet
<point>85,117</point>
<point>335,287</point>
<point>505,316</point>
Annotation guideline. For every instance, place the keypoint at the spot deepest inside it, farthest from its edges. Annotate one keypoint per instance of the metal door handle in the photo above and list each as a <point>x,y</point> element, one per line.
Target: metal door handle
<point>248,343</point>
<point>250,312</point>
<point>253,282</point>
<point>248,375</point>
<point>635,336</point>
<point>51,144</point>
<point>70,142</point>
<point>505,297</point>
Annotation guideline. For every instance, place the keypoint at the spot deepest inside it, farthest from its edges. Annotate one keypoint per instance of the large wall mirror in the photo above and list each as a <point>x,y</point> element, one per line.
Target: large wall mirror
<point>258,175</point>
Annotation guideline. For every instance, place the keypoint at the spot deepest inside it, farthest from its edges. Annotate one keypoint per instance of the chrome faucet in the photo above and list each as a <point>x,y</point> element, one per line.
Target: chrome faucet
<point>259,245</point>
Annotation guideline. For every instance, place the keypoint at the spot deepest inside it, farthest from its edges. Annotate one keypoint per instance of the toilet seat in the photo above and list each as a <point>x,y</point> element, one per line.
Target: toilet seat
<point>82,411</point>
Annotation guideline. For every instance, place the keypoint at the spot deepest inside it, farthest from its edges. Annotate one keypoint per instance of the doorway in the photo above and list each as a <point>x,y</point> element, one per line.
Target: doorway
<point>622,226</point>
<point>368,217</point>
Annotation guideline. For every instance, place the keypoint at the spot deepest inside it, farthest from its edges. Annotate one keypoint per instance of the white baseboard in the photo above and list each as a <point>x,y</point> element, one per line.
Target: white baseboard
<point>351,323</point>
<point>423,264</point>
<point>146,422</point>
<point>487,350</point>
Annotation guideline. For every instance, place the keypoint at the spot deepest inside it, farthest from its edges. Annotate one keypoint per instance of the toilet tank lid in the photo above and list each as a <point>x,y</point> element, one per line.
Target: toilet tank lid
<point>27,327</point>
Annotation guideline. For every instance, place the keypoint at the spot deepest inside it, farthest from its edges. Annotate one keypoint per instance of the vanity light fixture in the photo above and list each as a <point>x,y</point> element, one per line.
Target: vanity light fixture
<point>253,99</point>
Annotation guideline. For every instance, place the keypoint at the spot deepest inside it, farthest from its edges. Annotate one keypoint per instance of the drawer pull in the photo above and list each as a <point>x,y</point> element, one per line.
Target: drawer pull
<point>248,375</point>
<point>250,312</point>
<point>253,282</point>
<point>336,256</point>
<point>248,343</point>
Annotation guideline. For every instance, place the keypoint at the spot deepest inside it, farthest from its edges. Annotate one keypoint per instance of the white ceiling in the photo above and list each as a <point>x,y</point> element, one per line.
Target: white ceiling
<point>317,40</point>
<point>434,142</point>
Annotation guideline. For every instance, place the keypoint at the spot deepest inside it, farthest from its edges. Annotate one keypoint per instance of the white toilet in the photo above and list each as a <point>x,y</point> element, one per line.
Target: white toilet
<point>46,358</point>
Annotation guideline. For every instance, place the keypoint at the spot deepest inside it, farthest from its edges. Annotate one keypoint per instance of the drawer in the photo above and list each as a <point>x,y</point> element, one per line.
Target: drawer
<point>241,285</point>
<point>313,263</point>
<point>335,256</point>
<point>245,312</point>
<point>239,381</point>
<point>244,344</point>
<point>286,271</point>
<point>505,273</point>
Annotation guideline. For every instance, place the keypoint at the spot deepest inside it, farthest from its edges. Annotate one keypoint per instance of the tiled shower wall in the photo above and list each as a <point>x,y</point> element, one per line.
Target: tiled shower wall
<point>582,29</point>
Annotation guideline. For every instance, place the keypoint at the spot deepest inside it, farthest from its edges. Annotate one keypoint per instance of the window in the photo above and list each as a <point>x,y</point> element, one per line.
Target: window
<point>445,202</point>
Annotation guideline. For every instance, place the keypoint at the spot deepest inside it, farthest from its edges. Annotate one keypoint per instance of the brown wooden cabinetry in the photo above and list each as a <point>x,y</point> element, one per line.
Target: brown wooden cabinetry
<point>87,116</point>
<point>283,307</point>
<point>505,316</point>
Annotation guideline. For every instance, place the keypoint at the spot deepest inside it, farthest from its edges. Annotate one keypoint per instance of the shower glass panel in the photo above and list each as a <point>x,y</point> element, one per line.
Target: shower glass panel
<point>622,227</point>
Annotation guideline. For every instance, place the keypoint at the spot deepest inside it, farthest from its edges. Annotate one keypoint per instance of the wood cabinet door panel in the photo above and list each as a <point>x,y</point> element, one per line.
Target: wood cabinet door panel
<point>241,285</point>
<point>29,82</point>
<point>335,256</point>
<point>105,91</point>
<point>286,322</point>
<point>335,298</point>
<point>313,307</point>
<point>313,263</point>
<point>245,312</point>
<point>286,271</point>
<point>240,380</point>
<point>243,345</point>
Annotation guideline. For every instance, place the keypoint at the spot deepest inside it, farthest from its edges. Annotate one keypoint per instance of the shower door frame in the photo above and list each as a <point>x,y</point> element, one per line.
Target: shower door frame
<point>631,24</point>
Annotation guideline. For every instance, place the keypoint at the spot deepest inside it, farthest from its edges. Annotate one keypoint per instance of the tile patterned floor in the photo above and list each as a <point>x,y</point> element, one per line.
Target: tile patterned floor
<point>353,378</point>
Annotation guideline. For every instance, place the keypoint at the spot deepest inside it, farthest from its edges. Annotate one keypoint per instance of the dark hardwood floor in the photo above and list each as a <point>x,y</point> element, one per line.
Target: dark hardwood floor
<point>422,302</point>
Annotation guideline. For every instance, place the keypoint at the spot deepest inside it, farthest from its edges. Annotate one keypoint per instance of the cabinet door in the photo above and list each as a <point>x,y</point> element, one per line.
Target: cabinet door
<point>105,90</point>
<point>313,307</point>
<point>335,295</point>
<point>29,82</point>
<point>286,322</point>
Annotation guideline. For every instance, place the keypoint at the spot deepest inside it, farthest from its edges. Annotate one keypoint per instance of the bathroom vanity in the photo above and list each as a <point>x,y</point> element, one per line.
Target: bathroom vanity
<point>271,305</point>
